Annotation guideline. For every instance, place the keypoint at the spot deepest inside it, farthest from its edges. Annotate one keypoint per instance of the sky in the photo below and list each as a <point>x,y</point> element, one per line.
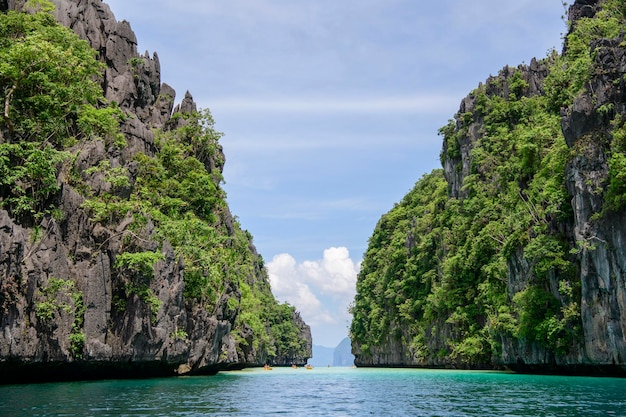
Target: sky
<point>330,111</point>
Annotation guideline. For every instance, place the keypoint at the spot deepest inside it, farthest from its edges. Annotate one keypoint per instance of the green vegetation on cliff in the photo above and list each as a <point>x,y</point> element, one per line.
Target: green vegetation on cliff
<point>452,274</point>
<point>53,109</point>
<point>49,101</point>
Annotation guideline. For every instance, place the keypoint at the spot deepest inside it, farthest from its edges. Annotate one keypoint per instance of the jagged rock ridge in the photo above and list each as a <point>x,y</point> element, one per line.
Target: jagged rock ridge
<point>78,255</point>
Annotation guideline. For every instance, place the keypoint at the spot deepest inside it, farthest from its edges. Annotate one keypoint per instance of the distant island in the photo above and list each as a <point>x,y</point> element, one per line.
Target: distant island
<point>340,355</point>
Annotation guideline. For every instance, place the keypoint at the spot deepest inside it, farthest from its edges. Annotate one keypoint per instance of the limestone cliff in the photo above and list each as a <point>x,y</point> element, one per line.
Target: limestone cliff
<point>591,127</point>
<point>513,255</point>
<point>68,309</point>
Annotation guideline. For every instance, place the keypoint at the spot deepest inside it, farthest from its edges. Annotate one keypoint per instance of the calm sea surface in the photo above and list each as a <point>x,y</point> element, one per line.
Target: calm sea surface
<point>325,392</point>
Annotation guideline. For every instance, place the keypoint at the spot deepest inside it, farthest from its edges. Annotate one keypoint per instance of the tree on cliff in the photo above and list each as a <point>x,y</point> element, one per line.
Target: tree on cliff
<point>50,99</point>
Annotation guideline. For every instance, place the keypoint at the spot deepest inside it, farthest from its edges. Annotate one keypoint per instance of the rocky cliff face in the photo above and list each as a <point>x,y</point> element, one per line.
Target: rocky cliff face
<point>583,280</point>
<point>60,275</point>
<point>457,165</point>
<point>589,126</point>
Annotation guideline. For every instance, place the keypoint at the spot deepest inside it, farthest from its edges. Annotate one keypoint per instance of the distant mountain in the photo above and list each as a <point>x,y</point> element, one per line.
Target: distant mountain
<point>341,355</point>
<point>322,356</point>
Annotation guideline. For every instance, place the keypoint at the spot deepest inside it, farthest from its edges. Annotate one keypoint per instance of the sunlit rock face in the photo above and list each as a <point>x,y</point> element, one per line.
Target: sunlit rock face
<point>603,260</point>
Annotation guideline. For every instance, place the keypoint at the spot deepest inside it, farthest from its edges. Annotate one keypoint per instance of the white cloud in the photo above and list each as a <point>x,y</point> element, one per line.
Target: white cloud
<point>288,286</point>
<point>271,144</point>
<point>334,275</point>
<point>490,12</point>
<point>316,209</point>
<point>423,104</point>
<point>321,290</point>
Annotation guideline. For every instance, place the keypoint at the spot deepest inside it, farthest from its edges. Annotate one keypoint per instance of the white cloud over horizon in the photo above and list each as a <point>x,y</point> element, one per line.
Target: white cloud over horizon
<point>316,209</point>
<point>307,142</point>
<point>321,290</point>
<point>419,103</point>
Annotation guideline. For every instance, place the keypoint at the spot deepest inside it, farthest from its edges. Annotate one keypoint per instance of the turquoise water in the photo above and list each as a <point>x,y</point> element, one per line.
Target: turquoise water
<point>325,392</point>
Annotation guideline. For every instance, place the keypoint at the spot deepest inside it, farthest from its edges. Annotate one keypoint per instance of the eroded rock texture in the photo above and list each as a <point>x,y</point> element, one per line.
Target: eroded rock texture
<point>594,232</point>
<point>68,263</point>
<point>587,130</point>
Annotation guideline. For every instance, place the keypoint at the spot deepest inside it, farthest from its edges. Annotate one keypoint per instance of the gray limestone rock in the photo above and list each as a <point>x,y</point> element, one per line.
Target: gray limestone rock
<point>597,231</point>
<point>59,276</point>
